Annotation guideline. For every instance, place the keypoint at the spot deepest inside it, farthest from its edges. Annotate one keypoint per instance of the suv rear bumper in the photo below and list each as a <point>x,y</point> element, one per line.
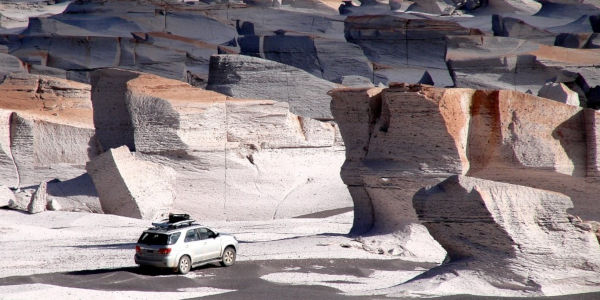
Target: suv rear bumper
<point>166,262</point>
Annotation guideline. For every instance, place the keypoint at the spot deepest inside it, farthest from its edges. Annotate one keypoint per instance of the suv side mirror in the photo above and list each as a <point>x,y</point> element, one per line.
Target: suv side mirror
<point>216,235</point>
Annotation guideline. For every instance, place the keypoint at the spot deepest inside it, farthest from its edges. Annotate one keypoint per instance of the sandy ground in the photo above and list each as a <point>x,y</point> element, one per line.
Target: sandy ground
<point>66,255</point>
<point>40,249</point>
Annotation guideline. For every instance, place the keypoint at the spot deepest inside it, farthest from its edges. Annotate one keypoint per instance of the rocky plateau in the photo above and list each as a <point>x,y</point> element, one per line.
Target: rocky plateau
<point>462,135</point>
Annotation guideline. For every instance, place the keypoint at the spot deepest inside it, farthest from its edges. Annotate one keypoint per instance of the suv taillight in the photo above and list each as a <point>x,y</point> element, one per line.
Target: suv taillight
<point>138,249</point>
<point>164,251</point>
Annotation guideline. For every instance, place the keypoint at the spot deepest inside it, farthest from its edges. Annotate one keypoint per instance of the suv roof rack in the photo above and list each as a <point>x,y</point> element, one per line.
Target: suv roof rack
<point>173,222</point>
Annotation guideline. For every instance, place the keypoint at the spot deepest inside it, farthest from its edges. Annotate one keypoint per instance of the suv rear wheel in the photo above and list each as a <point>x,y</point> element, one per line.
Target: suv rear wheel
<point>228,257</point>
<point>184,265</point>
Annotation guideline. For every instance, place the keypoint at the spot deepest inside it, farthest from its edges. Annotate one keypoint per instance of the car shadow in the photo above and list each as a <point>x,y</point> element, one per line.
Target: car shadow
<point>108,246</point>
<point>142,270</point>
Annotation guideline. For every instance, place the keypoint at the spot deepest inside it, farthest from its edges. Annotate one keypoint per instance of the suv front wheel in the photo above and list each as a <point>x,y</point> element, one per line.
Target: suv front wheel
<point>184,265</point>
<point>228,257</point>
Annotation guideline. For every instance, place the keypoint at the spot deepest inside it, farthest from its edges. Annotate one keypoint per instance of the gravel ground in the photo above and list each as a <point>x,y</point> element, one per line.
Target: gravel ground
<point>69,255</point>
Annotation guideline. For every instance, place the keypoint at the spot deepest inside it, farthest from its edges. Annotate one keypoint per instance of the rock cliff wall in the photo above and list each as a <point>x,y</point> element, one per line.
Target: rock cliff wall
<point>531,166</point>
<point>47,134</point>
<point>504,136</point>
<point>234,158</point>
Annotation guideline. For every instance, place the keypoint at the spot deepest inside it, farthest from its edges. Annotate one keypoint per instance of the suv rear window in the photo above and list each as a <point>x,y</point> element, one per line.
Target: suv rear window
<point>150,238</point>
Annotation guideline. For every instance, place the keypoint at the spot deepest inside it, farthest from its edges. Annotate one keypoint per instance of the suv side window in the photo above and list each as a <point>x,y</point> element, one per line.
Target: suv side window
<point>203,233</point>
<point>211,233</point>
<point>173,238</point>
<point>191,235</point>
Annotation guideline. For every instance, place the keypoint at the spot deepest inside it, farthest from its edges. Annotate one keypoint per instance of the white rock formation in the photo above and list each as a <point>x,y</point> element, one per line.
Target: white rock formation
<point>402,48</point>
<point>39,200</point>
<point>559,92</point>
<point>46,132</point>
<point>249,159</point>
<point>132,187</point>
<point>47,129</point>
<point>514,237</point>
<point>498,135</point>
<point>6,196</point>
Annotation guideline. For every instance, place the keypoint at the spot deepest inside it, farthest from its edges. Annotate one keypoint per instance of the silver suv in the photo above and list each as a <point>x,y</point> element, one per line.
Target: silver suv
<point>181,244</point>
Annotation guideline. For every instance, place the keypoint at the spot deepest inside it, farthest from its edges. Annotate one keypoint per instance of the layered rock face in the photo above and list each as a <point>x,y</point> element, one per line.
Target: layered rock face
<point>248,159</point>
<point>48,124</point>
<point>327,58</point>
<point>493,63</point>
<point>403,48</point>
<point>498,135</point>
<point>99,34</point>
<point>250,77</point>
<point>407,137</point>
<point>510,233</point>
<point>47,134</point>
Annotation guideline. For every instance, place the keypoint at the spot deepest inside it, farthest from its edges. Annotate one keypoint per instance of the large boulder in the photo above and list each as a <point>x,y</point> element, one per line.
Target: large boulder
<point>504,233</point>
<point>503,136</point>
<point>131,187</point>
<point>7,196</point>
<point>252,77</point>
<point>559,92</point>
<point>250,159</point>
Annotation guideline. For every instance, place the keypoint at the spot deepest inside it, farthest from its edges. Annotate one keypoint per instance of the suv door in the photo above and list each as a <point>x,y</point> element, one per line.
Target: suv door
<point>212,246</point>
<point>193,245</point>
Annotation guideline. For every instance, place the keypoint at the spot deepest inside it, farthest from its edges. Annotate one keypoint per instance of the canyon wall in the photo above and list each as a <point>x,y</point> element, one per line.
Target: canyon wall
<point>234,158</point>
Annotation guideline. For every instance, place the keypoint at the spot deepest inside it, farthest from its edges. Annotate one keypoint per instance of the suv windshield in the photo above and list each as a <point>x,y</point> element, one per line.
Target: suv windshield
<point>150,238</point>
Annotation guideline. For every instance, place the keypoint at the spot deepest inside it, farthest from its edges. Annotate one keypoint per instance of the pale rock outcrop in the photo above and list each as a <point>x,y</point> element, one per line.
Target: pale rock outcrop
<point>523,7</point>
<point>402,48</point>
<point>249,159</point>
<point>356,81</point>
<point>132,187</point>
<point>516,28</point>
<point>559,92</point>
<point>487,62</point>
<point>7,196</point>
<point>74,194</point>
<point>329,59</point>
<point>39,199</point>
<point>14,15</point>
<point>505,137</point>
<point>498,135</point>
<point>10,64</point>
<point>514,237</point>
<point>251,77</point>
<point>434,7</point>
<point>116,19</point>
<point>73,57</point>
<point>47,132</point>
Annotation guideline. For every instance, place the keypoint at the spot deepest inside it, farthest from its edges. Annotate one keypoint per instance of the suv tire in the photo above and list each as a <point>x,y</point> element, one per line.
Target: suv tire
<point>228,258</point>
<point>184,265</point>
